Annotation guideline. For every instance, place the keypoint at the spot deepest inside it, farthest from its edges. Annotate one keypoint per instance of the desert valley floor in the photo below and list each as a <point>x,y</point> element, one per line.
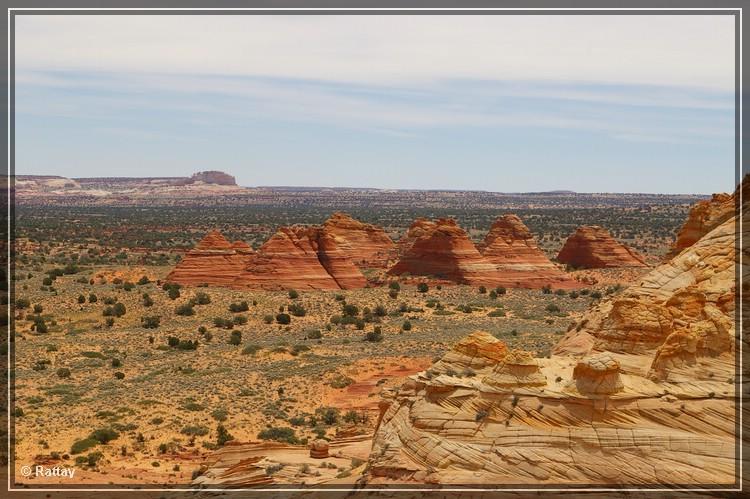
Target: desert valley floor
<point>150,350</point>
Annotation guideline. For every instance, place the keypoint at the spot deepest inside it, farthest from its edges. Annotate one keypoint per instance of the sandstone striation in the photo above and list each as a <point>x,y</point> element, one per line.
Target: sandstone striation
<point>640,391</point>
<point>365,244</point>
<point>213,261</point>
<point>594,247</point>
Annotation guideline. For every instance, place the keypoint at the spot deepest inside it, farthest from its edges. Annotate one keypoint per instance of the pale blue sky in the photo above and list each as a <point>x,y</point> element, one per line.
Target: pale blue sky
<point>502,103</point>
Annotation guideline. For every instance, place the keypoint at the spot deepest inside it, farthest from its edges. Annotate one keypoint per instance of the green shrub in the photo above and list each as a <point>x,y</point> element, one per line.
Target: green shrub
<point>283,318</point>
<point>202,298</point>
<point>297,310</point>
<point>394,285</point>
<point>349,310</point>
<point>104,435</point>
<point>422,287</point>
<point>313,334</point>
<point>223,323</point>
<point>222,435</point>
<point>235,338</point>
<point>194,430</point>
<point>92,298</point>
<point>239,307</point>
<point>187,345</point>
<point>251,349</point>
<point>406,326</point>
<point>293,294</point>
<point>150,322</point>
<point>279,434</point>
<point>297,349</point>
<point>374,336</point>
<point>143,280</point>
<point>185,309</point>
<point>63,372</point>
<point>23,303</point>
<point>83,445</point>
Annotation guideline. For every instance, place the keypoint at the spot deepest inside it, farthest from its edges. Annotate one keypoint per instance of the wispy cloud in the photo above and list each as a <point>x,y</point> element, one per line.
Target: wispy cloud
<point>695,51</point>
<point>654,113</point>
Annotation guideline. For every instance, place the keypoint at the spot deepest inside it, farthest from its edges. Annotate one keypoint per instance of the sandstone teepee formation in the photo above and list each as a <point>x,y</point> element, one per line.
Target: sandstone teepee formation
<point>365,244</point>
<point>301,258</point>
<point>509,257</point>
<point>592,247</point>
<point>214,261</point>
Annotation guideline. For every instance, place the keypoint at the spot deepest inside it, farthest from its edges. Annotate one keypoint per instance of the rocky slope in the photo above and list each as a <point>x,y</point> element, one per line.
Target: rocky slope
<point>593,247</point>
<point>442,250</point>
<point>367,245</point>
<point>214,261</point>
<point>640,391</point>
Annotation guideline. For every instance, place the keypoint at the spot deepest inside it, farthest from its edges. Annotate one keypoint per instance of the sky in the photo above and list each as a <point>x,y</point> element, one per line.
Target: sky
<point>501,103</point>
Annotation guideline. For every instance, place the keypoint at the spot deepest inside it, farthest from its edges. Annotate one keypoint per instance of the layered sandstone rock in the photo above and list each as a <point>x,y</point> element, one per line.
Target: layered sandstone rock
<point>511,245</point>
<point>443,250</point>
<point>419,228</point>
<point>644,379</point>
<point>446,252</point>
<point>518,368</point>
<point>366,245</point>
<point>301,258</point>
<point>319,449</point>
<point>598,374</point>
<point>704,216</point>
<point>594,247</point>
<point>213,261</point>
<point>681,308</point>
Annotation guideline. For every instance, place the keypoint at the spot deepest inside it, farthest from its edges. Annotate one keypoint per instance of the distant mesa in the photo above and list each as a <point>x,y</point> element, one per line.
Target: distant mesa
<point>211,177</point>
<point>593,247</point>
<point>510,257</point>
